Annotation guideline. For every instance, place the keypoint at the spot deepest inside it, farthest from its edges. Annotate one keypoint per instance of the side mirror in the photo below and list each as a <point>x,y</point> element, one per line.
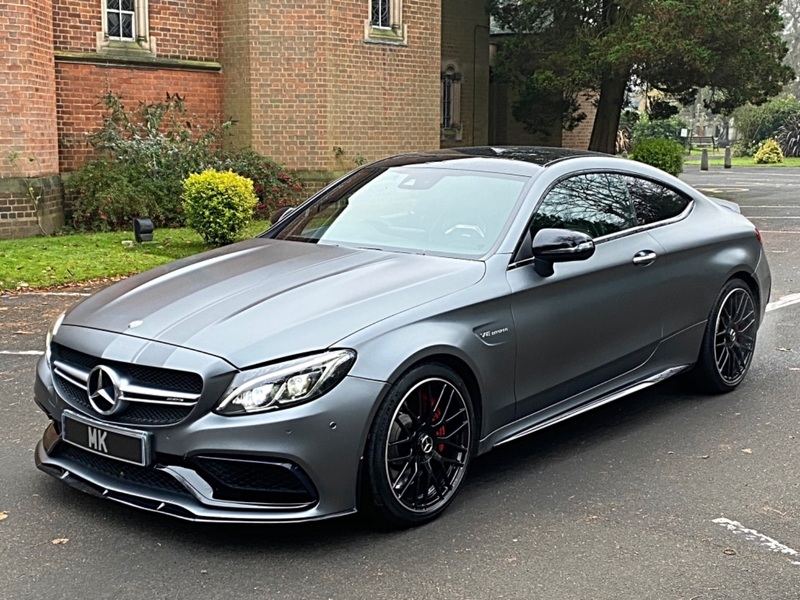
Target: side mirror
<point>559,245</point>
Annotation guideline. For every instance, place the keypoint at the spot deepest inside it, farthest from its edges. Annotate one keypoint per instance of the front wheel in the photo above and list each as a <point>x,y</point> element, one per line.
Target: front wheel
<point>729,340</point>
<point>419,447</point>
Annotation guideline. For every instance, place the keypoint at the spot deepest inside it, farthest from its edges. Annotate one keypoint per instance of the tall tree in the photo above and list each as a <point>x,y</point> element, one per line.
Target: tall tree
<point>564,48</point>
<point>790,10</point>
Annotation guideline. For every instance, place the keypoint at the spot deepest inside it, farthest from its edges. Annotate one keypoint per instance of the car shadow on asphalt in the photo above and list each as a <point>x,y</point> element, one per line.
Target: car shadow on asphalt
<point>496,473</point>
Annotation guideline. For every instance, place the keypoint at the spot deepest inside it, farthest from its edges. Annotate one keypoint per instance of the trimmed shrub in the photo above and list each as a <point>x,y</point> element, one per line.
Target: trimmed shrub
<point>218,205</point>
<point>769,153</point>
<point>274,186</point>
<point>663,154</point>
<point>667,129</point>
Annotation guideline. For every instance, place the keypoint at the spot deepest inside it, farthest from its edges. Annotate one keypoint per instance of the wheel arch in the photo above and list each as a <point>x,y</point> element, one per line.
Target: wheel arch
<point>751,282</point>
<point>463,370</point>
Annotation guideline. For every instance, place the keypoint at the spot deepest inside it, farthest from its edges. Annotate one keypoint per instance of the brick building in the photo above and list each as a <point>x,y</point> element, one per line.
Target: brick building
<point>315,85</point>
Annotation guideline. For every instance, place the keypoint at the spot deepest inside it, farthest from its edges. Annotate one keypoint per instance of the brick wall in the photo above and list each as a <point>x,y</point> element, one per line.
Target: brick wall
<point>80,87</point>
<point>27,90</point>
<point>236,43</point>
<point>580,137</point>
<point>383,99</point>
<point>465,45</point>
<point>75,24</point>
<point>30,206</point>
<point>184,29</point>
<point>314,84</point>
<point>30,189</point>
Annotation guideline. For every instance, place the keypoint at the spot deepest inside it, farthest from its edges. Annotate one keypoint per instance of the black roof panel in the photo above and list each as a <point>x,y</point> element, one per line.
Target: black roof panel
<point>537,155</point>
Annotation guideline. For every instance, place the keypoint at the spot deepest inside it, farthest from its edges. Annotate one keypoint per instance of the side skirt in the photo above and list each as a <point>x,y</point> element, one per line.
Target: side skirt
<point>534,422</point>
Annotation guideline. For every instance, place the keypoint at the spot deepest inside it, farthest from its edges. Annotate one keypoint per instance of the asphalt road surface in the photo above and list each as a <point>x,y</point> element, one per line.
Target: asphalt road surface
<point>661,495</point>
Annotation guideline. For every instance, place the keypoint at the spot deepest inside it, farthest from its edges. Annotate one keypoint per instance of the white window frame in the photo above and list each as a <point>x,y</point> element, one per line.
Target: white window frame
<point>141,29</point>
<point>395,32</point>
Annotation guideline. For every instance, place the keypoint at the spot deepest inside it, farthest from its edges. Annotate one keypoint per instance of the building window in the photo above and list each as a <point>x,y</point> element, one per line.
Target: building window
<point>385,23</point>
<point>125,24</point>
<point>120,20</point>
<point>382,14</point>
<point>451,104</point>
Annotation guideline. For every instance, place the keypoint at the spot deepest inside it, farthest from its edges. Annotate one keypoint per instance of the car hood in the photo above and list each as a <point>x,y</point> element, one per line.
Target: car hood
<point>262,300</point>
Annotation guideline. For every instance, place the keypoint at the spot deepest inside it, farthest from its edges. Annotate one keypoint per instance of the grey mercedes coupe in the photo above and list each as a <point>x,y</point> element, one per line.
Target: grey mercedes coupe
<point>413,315</point>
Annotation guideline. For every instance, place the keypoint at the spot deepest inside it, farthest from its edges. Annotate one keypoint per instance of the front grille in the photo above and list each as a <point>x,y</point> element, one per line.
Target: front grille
<point>166,379</point>
<point>158,384</point>
<point>256,481</point>
<point>143,476</point>
<point>136,414</point>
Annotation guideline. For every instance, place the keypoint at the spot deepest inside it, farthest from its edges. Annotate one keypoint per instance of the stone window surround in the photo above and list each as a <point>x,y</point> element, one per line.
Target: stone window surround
<point>144,41</point>
<point>396,35</point>
<point>451,85</point>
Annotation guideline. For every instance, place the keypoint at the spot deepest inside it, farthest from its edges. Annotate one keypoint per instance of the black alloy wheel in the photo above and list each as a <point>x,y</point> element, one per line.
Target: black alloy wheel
<point>420,446</point>
<point>730,339</point>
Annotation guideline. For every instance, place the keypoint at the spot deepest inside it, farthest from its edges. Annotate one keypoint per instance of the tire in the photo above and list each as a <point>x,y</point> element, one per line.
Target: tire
<point>419,447</point>
<point>729,340</point>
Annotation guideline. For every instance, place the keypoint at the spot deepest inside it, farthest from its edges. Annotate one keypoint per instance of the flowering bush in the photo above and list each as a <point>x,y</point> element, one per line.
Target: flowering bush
<point>769,153</point>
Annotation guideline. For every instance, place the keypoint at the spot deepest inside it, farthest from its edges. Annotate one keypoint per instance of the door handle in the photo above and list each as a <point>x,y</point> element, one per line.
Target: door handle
<point>644,258</point>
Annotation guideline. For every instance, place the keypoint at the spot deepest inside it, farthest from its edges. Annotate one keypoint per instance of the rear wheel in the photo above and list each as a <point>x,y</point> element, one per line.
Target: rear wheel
<point>419,447</point>
<point>729,340</point>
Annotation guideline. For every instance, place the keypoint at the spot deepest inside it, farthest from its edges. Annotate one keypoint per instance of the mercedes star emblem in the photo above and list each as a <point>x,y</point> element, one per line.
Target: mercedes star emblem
<point>103,390</point>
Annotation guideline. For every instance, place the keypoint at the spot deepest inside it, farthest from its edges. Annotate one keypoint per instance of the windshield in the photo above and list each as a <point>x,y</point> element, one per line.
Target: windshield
<point>414,209</point>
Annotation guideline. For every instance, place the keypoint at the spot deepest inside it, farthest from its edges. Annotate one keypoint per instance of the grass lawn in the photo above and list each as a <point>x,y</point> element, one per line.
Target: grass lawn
<point>740,161</point>
<point>64,259</point>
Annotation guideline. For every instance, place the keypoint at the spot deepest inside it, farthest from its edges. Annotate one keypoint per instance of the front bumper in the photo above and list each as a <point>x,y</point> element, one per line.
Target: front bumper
<point>322,441</point>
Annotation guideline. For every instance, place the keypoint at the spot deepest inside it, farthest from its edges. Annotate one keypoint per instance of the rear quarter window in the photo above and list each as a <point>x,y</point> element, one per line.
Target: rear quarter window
<point>654,202</point>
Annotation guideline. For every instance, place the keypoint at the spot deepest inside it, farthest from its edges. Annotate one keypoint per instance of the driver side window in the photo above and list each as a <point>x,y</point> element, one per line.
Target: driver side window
<point>596,204</point>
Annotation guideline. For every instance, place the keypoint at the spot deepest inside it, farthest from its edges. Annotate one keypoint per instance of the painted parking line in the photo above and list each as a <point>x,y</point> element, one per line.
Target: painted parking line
<point>80,294</point>
<point>723,190</point>
<point>751,535</point>
<point>22,352</point>
<point>783,302</point>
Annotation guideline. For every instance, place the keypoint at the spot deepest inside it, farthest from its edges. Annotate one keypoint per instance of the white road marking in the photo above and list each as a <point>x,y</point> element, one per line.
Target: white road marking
<point>751,535</point>
<point>84,294</point>
<point>783,302</point>
<point>760,217</point>
<point>722,190</point>
<point>22,352</point>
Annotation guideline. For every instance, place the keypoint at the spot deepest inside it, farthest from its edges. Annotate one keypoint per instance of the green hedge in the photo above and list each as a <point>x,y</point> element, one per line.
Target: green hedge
<point>663,154</point>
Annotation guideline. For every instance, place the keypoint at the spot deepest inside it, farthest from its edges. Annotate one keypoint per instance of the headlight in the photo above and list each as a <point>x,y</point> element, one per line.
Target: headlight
<point>51,334</point>
<point>285,384</point>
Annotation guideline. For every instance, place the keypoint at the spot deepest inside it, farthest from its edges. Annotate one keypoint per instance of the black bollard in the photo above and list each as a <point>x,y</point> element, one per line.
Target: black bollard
<point>728,163</point>
<point>704,160</point>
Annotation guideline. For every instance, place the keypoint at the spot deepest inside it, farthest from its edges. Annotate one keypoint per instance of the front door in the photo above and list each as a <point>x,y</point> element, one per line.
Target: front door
<point>592,320</point>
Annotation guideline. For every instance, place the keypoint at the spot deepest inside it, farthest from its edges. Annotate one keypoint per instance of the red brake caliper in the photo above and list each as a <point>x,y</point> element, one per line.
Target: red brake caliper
<point>441,431</point>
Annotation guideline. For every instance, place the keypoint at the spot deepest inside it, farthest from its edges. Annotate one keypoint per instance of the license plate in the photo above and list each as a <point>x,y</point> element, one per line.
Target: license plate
<point>106,440</point>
